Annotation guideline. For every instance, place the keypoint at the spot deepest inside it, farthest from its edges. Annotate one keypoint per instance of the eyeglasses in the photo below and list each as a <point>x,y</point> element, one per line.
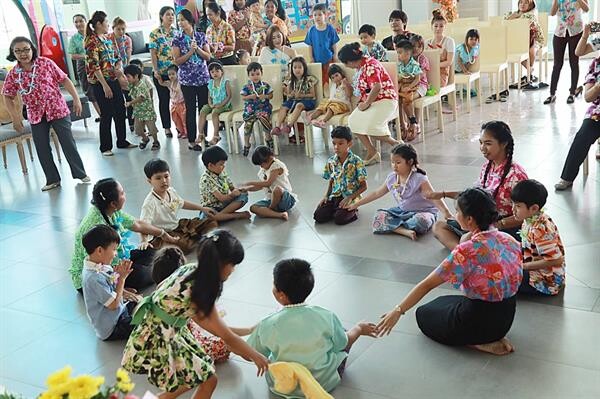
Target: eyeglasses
<point>22,51</point>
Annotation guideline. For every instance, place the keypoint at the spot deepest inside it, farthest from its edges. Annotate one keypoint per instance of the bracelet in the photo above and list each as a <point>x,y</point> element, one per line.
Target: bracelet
<point>399,309</point>
<point>162,233</point>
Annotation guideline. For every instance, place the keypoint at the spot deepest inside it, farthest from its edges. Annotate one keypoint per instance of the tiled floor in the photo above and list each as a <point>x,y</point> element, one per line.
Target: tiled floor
<point>43,324</point>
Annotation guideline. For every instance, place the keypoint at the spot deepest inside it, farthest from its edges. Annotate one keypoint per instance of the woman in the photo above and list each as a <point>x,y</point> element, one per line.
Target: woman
<point>108,199</point>
<point>220,36</point>
<point>203,22</point>
<point>498,176</point>
<point>568,32</point>
<point>488,268</point>
<point>589,131</point>
<point>36,80</point>
<point>238,19</point>
<point>378,102</point>
<point>444,43</point>
<point>275,51</point>
<point>122,42</point>
<point>161,41</point>
<point>283,16</point>
<point>271,17</point>
<point>104,69</point>
<point>77,51</point>
<point>190,53</point>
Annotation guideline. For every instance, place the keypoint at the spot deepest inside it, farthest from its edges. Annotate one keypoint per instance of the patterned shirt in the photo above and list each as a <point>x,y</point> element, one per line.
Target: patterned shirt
<point>488,267</point>
<point>540,240</point>
<point>76,44</point>
<point>235,17</point>
<point>515,175</point>
<point>162,42</point>
<point>194,71</point>
<point>219,36</point>
<point>570,19</point>
<point>593,77</point>
<point>218,93</point>
<point>252,107</point>
<point>122,46</point>
<point>466,57</point>
<point>144,110</point>
<point>100,56</point>
<point>372,72</point>
<point>39,89</point>
<point>346,177</point>
<point>425,67</point>
<point>303,87</point>
<point>275,56</point>
<point>280,23</point>
<point>211,182</point>
<point>595,43</point>
<point>376,51</point>
<point>410,69</point>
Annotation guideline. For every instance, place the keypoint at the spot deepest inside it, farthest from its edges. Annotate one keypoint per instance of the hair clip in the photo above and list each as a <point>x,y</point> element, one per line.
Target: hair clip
<point>102,196</point>
<point>213,236</point>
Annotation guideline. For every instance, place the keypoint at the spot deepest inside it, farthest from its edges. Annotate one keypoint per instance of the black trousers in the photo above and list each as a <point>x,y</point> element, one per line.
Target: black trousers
<point>111,109</point>
<point>141,274</point>
<point>164,99</point>
<point>588,133</point>
<point>124,327</point>
<point>195,98</point>
<point>559,44</point>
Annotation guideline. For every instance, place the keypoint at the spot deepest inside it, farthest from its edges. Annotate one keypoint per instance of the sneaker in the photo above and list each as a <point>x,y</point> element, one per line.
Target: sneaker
<point>108,153</point>
<point>86,179</point>
<point>563,185</point>
<point>155,146</point>
<point>51,186</point>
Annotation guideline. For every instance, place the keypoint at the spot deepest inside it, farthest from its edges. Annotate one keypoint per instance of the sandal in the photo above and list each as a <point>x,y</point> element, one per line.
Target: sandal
<point>155,146</point>
<point>550,100</point>
<point>246,150</point>
<point>292,139</point>
<point>144,143</point>
<point>302,140</point>
<point>411,133</point>
<point>578,91</point>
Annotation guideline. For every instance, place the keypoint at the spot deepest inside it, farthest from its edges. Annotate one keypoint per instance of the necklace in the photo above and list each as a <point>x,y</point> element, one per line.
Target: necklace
<point>398,183</point>
<point>20,80</point>
<point>295,305</point>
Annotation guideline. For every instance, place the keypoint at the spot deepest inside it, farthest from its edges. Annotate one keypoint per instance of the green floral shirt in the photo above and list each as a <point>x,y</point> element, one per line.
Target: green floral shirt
<point>347,176</point>
<point>144,110</point>
<point>162,42</point>
<point>211,182</point>
<point>76,44</point>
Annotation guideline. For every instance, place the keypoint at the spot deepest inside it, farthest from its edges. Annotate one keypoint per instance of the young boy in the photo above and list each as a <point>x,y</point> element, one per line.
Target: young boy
<point>347,177</point>
<point>409,77</point>
<point>104,288</point>
<point>257,107</point>
<point>371,47</point>
<point>162,204</point>
<point>143,108</point>
<point>217,190</point>
<point>309,335</point>
<point>543,251</point>
<point>321,39</point>
<point>275,180</point>
<point>398,20</point>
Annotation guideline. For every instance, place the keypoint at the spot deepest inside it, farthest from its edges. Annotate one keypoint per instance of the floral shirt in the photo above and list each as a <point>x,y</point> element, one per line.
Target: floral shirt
<point>570,19</point>
<point>515,175</point>
<point>372,72</point>
<point>252,107</point>
<point>100,56</point>
<point>540,240</point>
<point>219,36</point>
<point>144,110</point>
<point>410,69</point>
<point>376,51</point>
<point>211,182</point>
<point>593,77</point>
<point>303,87</point>
<point>235,17</point>
<point>425,67</point>
<point>162,42</point>
<point>466,57</point>
<point>122,46</point>
<point>194,71</point>
<point>346,177</point>
<point>280,23</point>
<point>218,93</point>
<point>39,89</point>
<point>488,267</point>
<point>275,56</point>
<point>595,43</point>
<point>76,44</point>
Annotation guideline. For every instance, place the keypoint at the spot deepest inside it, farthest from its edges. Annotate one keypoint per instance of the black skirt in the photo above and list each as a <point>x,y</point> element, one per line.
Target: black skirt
<point>458,320</point>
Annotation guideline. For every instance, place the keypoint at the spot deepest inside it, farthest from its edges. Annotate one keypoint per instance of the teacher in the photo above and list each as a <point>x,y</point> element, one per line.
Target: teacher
<point>220,36</point>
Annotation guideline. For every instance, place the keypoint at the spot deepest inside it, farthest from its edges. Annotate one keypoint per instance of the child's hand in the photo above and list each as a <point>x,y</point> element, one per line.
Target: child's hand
<point>261,363</point>
<point>323,201</point>
<point>169,238</point>
<point>363,106</point>
<point>208,211</point>
<point>352,207</point>
<point>368,329</point>
<point>145,245</point>
<point>345,203</point>
<point>235,192</point>
<point>131,297</point>
<point>127,104</point>
<point>123,269</point>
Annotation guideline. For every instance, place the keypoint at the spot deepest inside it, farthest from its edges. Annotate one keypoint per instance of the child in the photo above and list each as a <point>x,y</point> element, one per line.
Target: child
<point>275,180</point>
<point>347,177</point>
<point>162,346</point>
<point>219,101</point>
<point>301,95</point>
<point>444,43</point>
<point>543,250</point>
<point>339,102</point>
<point>371,47</point>
<point>145,78</point>
<point>257,107</point>
<point>408,184</point>
<point>309,335</point>
<point>418,48</point>
<point>104,288</point>
<point>217,190</point>
<point>143,108</point>
<point>243,57</point>
<point>177,106</point>
<point>321,39</point>
<point>258,26</point>
<point>398,20</point>
<point>409,78</point>
<point>161,206</point>
<point>467,53</point>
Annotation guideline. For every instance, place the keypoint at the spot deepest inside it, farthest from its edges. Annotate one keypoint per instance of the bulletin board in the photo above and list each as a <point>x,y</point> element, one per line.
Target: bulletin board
<point>300,14</point>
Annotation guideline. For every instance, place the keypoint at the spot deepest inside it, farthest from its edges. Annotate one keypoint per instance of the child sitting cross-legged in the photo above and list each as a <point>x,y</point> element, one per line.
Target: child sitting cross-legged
<point>275,180</point>
<point>409,77</point>
<point>339,102</point>
<point>108,304</point>
<point>217,191</point>
<point>302,333</point>
<point>143,108</point>
<point>543,250</point>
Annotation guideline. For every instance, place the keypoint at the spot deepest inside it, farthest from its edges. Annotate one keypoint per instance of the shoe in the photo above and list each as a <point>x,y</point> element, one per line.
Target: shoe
<point>373,160</point>
<point>194,147</point>
<point>97,120</point>
<point>292,139</point>
<point>169,134</point>
<point>246,151</point>
<point>144,143</point>
<point>570,99</point>
<point>550,100</point>
<point>286,129</point>
<point>490,99</point>
<point>51,186</point>
<point>578,91</point>
<point>503,98</point>
<point>302,140</point>
<point>127,146</point>
<point>86,179</point>
<point>534,78</point>
<point>563,185</point>
<point>155,146</point>
<point>181,135</point>
<point>108,153</point>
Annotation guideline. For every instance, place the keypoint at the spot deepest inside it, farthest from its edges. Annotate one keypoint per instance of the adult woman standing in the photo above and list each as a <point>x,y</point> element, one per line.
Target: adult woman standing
<point>275,51</point>
<point>161,41</point>
<point>104,68</point>
<point>190,53</point>
<point>378,100</point>
<point>488,268</point>
<point>36,80</point>
<point>568,32</point>
<point>238,19</point>
<point>220,36</point>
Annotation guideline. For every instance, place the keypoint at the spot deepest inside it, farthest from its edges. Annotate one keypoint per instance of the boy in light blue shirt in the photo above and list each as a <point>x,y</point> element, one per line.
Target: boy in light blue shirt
<point>305,334</point>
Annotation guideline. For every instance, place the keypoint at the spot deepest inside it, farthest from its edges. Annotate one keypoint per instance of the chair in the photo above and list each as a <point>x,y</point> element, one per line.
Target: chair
<point>392,70</point>
<point>237,76</point>
<point>303,51</point>
<point>8,136</point>
<point>346,39</point>
<point>493,56</point>
<point>496,20</point>
<point>433,79</point>
<point>542,52</point>
<point>517,39</point>
<point>462,79</point>
<point>450,91</point>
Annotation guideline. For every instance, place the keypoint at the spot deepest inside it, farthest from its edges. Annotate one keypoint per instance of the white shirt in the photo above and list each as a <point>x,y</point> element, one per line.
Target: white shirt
<point>338,93</point>
<point>282,180</point>
<point>160,212</point>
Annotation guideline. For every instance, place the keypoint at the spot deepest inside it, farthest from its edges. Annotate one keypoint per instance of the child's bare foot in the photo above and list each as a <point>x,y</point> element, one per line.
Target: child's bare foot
<point>406,233</point>
<point>499,348</point>
<point>284,215</point>
<point>244,215</point>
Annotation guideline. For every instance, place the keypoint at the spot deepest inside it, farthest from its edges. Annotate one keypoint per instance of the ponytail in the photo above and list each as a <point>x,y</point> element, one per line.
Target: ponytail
<point>105,192</point>
<point>97,17</point>
<point>350,52</point>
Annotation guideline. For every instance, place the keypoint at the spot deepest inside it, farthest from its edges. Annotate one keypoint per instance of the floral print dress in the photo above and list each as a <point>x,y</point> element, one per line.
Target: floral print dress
<point>163,346</point>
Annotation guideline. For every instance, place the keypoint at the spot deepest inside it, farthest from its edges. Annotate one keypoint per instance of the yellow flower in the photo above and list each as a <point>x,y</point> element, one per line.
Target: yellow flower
<point>59,377</point>
<point>124,383</point>
<point>85,387</point>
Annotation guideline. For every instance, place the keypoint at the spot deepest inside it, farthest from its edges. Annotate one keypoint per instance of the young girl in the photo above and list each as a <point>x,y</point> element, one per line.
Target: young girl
<point>408,184</point>
<point>418,47</point>
<point>409,77</point>
<point>339,102</point>
<point>219,101</point>
<point>177,106</point>
<point>258,26</point>
<point>300,91</point>
<point>163,347</point>
<point>445,43</point>
<point>467,53</point>
<point>243,57</point>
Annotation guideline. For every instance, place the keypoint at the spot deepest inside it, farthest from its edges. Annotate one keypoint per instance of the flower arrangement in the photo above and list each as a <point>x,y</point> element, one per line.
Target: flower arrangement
<point>62,386</point>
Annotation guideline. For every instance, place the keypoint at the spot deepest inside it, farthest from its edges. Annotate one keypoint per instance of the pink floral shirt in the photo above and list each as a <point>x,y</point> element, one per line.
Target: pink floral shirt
<point>569,19</point>
<point>425,67</point>
<point>42,96</point>
<point>488,267</point>
<point>372,72</point>
<point>492,181</point>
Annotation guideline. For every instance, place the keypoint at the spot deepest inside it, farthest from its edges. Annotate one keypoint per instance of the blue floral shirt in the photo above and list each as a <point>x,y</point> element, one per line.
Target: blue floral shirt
<point>256,106</point>
<point>377,51</point>
<point>162,42</point>
<point>347,176</point>
<point>410,69</point>
<point>194,71</point>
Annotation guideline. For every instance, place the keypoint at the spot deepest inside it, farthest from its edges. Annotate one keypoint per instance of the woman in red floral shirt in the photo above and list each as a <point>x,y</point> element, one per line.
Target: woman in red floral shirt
<point>36,80</point>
